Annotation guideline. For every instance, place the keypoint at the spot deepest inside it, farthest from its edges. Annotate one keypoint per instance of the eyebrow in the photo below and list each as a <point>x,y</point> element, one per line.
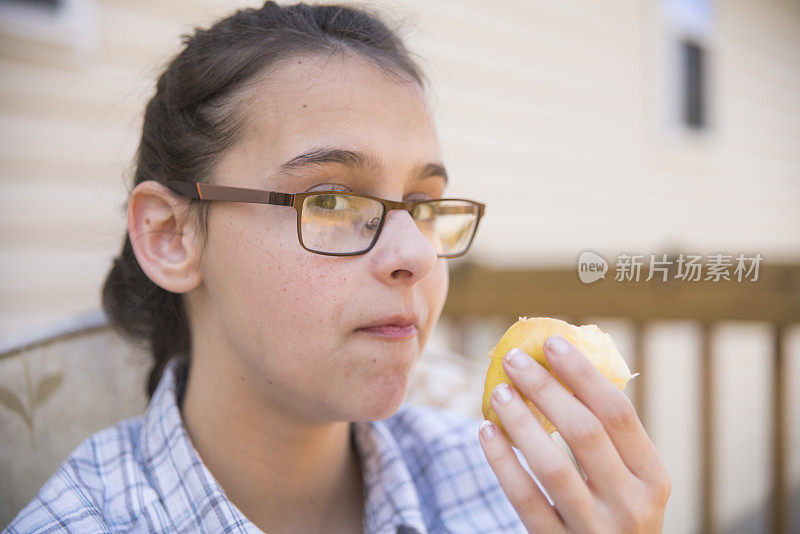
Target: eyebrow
<point>354,160</point>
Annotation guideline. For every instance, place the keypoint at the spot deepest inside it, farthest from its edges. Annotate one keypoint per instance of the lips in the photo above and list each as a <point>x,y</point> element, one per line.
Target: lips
<point>397,320</point>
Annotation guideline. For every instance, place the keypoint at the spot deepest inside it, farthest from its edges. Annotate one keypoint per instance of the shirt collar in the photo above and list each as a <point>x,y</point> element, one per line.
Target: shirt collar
<point>193,498</point>
<point>391,496</point>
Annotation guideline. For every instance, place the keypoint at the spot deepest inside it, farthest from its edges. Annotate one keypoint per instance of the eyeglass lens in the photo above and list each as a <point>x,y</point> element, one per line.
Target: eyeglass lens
<point>346,224</point>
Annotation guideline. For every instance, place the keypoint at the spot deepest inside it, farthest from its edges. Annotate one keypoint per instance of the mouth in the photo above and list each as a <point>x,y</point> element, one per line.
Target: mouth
<point>392,327</point>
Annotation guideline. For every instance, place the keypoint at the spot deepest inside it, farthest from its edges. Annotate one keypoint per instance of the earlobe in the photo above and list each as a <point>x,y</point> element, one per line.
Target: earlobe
<point>163,238</point>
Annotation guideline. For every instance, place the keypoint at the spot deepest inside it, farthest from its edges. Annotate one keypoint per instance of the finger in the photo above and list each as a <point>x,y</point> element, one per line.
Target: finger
<point>593,449</point>
<point>611,406</point>
<point>558,476</point>
<point>524,495</point>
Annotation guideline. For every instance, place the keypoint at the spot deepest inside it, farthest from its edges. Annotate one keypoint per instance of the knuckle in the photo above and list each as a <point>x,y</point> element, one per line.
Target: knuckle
<point>515,493</point>
<point>528,499</point>
<point>494,452</point>
<point>585,371</point>
<point>519,416</point>
<point>538,383</point>
<point>641,512</point>
<point>633,520</point>
<point>662,488</point>
<point>557,474</point>
<point>587,430</point>
<point>628,516</point>
<point>621,414</point>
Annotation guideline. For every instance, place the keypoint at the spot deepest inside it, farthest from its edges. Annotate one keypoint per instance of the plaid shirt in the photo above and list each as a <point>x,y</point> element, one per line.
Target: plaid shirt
<point>424,472</point>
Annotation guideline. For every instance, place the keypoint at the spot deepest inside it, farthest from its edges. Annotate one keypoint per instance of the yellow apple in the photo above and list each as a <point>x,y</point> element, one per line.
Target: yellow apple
<point>530,335</point>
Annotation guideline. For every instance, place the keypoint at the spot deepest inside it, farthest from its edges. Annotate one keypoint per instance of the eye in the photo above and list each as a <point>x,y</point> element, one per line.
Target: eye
<point>330,203</point>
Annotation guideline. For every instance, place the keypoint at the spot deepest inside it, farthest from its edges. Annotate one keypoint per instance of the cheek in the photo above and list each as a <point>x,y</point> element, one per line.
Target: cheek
<point>444,272</point>
<point>272,296</point>
<point>436,291</point>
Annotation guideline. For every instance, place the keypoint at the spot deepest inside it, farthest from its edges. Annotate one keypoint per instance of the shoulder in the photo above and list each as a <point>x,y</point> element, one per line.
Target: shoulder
<point>457,488</point>
<point>92,490</point>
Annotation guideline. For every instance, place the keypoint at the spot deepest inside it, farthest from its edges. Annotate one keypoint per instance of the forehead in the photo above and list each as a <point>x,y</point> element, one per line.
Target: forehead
<point>342,101</point>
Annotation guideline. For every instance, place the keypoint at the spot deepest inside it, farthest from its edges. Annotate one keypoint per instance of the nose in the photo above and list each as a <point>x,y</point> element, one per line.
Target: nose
<point>402,252</point>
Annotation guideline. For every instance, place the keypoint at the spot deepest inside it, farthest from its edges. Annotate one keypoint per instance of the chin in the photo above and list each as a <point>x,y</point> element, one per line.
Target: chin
<point>383,398</point>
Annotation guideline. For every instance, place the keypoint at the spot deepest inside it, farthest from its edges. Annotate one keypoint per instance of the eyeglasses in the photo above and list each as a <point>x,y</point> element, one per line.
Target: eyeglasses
<point>342,223</point>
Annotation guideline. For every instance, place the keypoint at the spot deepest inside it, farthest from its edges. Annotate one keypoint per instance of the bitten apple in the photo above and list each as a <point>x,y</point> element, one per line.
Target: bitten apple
<point>530,335</point>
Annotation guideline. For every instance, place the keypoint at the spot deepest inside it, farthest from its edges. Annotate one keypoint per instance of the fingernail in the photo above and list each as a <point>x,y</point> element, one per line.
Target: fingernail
<point>487,430</point>
<point>518,359</point>
<point>557,345</point>
<point>502,393</point>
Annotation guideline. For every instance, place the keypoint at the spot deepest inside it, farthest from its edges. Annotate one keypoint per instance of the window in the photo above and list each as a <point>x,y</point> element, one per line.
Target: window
<point>692,97</point>
<point>685,95</point>
<point>47,4</point>
<point>67,23</point>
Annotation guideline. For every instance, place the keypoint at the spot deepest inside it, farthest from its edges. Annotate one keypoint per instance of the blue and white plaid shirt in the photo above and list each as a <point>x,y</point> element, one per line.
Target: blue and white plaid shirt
<point>424,472</point>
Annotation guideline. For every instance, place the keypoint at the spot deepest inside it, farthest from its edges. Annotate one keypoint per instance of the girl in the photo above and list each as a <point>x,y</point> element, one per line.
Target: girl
<point>288,231</point>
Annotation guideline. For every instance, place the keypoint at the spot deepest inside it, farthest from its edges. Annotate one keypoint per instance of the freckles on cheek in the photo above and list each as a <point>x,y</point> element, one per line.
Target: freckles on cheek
<point>295,292</point>
<point>296,297</point>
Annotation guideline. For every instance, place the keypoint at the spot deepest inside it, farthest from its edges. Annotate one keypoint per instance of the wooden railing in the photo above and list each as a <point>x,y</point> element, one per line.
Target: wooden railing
<point>773,298</point>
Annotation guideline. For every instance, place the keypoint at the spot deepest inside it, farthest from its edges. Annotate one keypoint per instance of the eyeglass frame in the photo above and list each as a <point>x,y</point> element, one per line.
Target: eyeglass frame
<point>215,192</point>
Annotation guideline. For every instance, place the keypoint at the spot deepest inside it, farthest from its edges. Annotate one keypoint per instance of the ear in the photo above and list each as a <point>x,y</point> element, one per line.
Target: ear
<point>163,237</point>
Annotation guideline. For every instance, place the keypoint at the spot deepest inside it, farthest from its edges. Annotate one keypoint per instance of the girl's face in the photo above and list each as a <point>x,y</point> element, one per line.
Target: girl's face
<point>291,316</point>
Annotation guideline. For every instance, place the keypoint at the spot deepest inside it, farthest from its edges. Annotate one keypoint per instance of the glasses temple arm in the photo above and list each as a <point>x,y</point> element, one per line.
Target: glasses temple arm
<point>187,189</point>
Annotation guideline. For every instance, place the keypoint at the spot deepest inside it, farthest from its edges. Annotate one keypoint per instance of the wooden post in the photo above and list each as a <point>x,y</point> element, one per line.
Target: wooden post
<point>707,430</point>
<point>779,422</point>
<point>557,292</point>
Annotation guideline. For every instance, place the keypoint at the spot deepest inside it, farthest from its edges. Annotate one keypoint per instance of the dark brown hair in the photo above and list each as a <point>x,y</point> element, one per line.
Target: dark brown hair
<point>194,117</point>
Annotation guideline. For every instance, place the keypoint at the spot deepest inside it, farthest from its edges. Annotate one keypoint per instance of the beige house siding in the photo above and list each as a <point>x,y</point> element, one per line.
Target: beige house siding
<point>69,125</point>
<point>555,102</point>
<point>567,94</point>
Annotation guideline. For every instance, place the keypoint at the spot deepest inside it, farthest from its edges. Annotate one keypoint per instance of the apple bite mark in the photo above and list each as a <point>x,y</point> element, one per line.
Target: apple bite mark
<point>530,335</point>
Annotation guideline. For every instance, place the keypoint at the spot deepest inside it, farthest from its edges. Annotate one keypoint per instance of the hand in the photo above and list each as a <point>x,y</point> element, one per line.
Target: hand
<point>627,483</point>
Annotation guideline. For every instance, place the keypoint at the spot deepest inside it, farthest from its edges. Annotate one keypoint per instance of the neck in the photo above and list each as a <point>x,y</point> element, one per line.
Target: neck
<point>284,475</point>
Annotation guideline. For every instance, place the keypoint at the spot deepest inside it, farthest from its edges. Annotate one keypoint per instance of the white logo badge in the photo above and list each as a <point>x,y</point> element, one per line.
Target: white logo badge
<point>591,267</point>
